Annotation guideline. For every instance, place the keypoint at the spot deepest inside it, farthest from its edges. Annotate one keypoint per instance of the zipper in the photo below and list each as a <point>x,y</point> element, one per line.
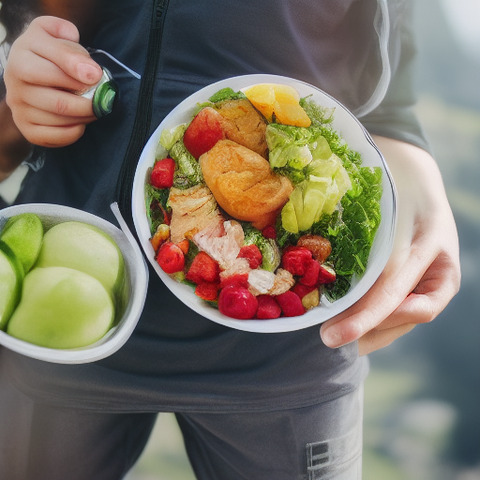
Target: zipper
<point>143,116</point>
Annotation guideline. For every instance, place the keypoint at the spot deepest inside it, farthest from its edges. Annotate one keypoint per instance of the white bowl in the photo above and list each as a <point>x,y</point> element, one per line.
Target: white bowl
<point>137,282</point>
<point>350,129</point>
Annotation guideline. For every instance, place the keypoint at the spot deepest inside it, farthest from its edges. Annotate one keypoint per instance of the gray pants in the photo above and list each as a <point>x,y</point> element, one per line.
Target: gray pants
<point>44,442</point>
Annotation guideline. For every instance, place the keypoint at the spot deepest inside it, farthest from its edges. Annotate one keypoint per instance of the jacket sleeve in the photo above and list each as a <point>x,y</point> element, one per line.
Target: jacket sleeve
<point>395,117</point>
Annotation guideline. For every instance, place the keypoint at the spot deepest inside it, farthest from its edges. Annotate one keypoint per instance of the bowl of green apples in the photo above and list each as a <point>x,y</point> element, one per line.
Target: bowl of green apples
<point>72,285</point>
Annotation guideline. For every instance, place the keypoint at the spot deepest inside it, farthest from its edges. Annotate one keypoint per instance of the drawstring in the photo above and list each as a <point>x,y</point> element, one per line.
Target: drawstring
<point>382,28</point>
<point>118,62</point>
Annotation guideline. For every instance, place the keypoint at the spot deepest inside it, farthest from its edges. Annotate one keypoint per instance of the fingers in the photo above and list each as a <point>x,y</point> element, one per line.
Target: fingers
<point>45,71</point>
<point>378,304</point>
<point>376,339</point>
<point>423,272</point>
<point>56,41</point>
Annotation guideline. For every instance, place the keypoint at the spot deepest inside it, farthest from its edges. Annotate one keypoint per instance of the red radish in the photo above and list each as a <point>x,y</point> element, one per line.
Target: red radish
<point>237,302</point>
<point>170,258</point>
<point>291,304</point>
<point>267,308</point>
<point>326,275</point>
<point>204,131</point>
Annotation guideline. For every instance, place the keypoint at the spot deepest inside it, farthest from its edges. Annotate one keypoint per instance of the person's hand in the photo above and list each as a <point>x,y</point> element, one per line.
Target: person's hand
<point>46,67</point>
<point>423,272</point>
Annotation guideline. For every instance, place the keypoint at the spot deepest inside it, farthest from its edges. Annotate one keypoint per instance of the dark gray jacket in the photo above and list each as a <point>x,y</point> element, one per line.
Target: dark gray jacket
<point>359,51</point>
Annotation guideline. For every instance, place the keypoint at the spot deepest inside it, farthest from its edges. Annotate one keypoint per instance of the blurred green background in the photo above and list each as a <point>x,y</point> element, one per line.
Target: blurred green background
<point>422,419</point>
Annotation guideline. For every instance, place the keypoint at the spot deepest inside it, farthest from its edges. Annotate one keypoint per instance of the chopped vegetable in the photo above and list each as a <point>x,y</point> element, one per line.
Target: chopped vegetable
<point>162,173</point>
<point>170,258</point>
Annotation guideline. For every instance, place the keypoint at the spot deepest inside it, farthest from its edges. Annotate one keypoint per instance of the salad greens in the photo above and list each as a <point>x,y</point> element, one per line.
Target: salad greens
<point>351,228</point>
<point>271,254</point>
<point>188,172</point>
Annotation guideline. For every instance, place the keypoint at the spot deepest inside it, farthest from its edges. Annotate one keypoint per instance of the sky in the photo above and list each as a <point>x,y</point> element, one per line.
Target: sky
<point>463,16</point>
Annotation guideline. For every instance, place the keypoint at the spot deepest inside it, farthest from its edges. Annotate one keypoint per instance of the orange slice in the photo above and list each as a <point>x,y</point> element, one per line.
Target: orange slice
<point>279,100</point>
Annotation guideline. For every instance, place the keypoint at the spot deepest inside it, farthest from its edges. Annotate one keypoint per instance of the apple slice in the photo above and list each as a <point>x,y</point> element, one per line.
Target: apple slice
<point>11,277</point>
<point>24,234</point>
<point>61,308</point>
<point>86,248</point>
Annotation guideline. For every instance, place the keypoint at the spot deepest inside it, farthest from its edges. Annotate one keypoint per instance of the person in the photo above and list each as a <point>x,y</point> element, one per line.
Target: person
<point>250,406</point>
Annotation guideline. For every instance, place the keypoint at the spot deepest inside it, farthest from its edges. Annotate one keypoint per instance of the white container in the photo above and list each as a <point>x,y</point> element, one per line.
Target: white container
<point>356,137</point>
<point>137,282</point>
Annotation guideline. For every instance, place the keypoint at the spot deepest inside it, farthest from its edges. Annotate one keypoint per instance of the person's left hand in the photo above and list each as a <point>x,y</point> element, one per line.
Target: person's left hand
<point>423,272</point>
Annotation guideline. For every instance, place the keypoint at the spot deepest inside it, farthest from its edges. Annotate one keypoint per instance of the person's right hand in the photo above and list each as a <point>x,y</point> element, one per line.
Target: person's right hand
<point>45,69</point>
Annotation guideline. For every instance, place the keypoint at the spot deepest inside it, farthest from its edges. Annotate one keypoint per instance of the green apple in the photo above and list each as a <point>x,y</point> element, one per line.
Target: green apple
<point>61,308</point>
<point>83,247</point>
<point>11,277</point>
<point>23,234</point>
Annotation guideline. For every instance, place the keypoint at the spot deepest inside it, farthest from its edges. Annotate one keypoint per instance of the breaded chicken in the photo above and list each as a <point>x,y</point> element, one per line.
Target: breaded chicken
<point>243,124</point>
<point>243,183</point>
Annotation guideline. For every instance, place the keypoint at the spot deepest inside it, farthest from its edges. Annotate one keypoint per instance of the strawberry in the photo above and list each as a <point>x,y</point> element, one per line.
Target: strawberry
<point>327,274</point>
<point>203,269</point>
<point>253,254</point>
<point>296,260</point>
<point>269,232</point>
<point>237,302</point>
<point>267,307</point>
<point>207,291</point>
<point>291,304</point>
<point>170,258</point>
<point>238,279</point>
<point>310,277</point>
<point>204,131</point>
<point>162,173</point>
<point>302,290</point>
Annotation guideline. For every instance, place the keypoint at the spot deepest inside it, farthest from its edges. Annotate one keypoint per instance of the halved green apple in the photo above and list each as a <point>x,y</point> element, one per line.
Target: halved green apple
<point>62,308</point>
<point>86,248</point>
<point>11,277</point>
<point>23,233</point>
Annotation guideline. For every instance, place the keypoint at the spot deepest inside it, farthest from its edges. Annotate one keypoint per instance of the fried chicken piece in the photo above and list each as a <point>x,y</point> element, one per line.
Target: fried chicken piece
<point>243,183</point>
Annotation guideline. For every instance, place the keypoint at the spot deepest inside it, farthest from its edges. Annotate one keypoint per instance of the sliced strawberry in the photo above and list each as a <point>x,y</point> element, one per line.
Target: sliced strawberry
<point>162,173</point>
<point>207,290</point>
<point>267,307</point>
<point>253,254</point>
<point>302,290</point>
<point>237,302</point>
<point>291,304</point>
<point>204,131</point>
<point>326,275</point>
<point>170,258</point>
<point>310,277</point>
<point>203,269</point>
<point>238,279</point>
<point>296,260</point>
<point>269,232</point>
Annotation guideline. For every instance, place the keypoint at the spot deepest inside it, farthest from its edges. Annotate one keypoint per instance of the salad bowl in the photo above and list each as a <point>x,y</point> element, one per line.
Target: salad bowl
<point>350,131</point>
